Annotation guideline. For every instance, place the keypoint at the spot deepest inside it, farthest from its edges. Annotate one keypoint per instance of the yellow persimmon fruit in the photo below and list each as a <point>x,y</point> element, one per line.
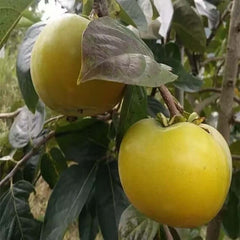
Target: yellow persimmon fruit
<point>55,67</point>
<point>177,175</point>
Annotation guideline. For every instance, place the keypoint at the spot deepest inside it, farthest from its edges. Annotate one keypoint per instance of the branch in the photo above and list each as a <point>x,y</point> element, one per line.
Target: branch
<point>235,157</point>
<point>167,232</point>
<point>214,226</point>
<point>169,100</point>
<point>230,72</point>
<point>200,106</point>
<point>217,90</point>
<point>227,95</point>
<point>26,157</point>
<point>10,115</point>
<point>212,59</point>
<point>53,119</point>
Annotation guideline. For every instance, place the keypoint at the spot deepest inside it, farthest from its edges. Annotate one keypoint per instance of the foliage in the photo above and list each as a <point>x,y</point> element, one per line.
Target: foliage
<point>80,162</point>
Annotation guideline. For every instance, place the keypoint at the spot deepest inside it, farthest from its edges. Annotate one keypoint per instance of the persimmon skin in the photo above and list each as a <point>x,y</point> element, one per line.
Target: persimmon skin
<point>55,67</point>
<point>178,175</point>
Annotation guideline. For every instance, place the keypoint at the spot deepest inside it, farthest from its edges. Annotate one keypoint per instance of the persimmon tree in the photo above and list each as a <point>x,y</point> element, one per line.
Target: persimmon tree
<point>184,57</point>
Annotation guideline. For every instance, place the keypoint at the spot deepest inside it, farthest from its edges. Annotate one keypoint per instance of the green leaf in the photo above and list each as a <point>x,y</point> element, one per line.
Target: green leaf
<point>134,12</point>
<point>134,225</point>
<point>231,217</point>
<point>110,199</point>
<point>235,148</point>
<point>114,10</point>
<point>84,140</point>
<point>112,52</point>
<point>48,170</point>
<point>32,166</point>
<point>67,200</point>
<point>134,108</point>
<point>26,126</point>
<point>154,107</point>
<point>235,185</point>
<point>88,223</point>
<point>59,159</point>
<point>23,66</point>
<point>188,26</point>
<point>10,13</point>
<point>52,165</point>
<point>170,54</point>
<point>16,219</point>
<point>87,7</point>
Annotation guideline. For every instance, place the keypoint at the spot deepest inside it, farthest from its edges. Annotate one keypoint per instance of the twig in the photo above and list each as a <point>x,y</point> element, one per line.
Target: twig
<point>217,90</point>
<point>10,114</point>
<point>169,100</point>
<point>26,157</point>
<point>153,92</point>
<point>167,232</point>
<point>200,106</point>
<point>235,157</point>
<point>104,117</point>
<point>56,118</point>
<point>212,59</point>
<point>193,61</point>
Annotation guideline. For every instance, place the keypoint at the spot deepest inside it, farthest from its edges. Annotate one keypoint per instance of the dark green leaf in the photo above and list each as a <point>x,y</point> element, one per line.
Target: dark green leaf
<point>26,126</point>
<point>110,198</point>
<point>88,223</point>
<point>134,108</point>
<point>235,147</point>
<point>112,52</point>
<point>23,66</point>
<point>31,167</point>
<point>52,165</point>
<point>132,9</point>
<point>59,159</point>
<point>16,219</point>
<point>188,26</point>
<point>235,185</point>
<point>155,107</point>
<point>170,54</point>
<point>84,140</point>
<point>48,170</point>
<point>67,200</point>
<point>231,218</point>
<point>134,225</point>
<point>10,13</point>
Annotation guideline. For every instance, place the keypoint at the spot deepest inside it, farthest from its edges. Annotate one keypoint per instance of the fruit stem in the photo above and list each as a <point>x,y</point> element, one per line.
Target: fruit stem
<point>169,100</point>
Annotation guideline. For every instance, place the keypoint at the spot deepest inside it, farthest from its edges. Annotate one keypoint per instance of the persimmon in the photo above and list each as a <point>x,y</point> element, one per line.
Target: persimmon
<point>55,67</point>
<point>177,175</point>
